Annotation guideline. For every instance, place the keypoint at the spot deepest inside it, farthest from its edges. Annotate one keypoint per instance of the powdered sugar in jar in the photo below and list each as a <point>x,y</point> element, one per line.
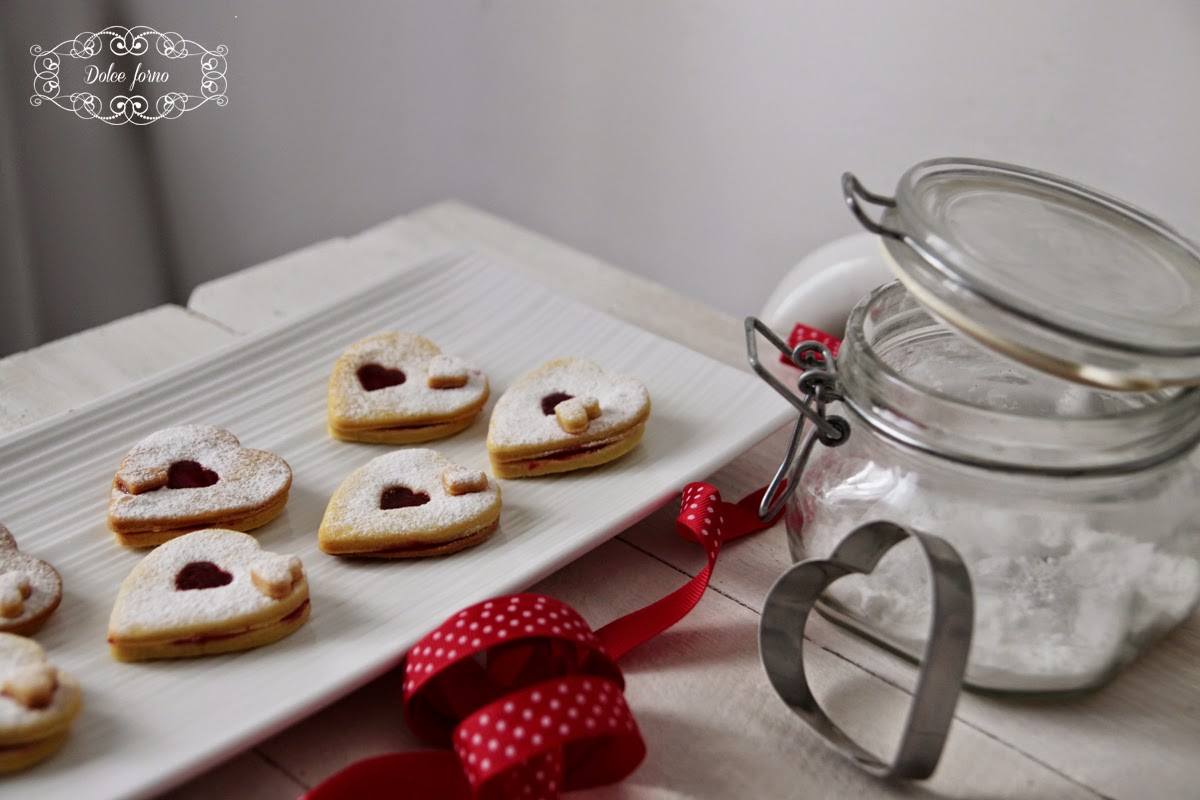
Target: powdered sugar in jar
<point>1025,391</point>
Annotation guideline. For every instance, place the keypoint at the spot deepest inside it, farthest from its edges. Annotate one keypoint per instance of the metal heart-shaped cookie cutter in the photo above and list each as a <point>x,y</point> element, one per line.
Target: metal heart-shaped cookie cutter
<point>939,682</point>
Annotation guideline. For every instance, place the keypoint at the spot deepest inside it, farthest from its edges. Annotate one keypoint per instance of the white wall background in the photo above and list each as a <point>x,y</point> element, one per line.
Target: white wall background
<point>698,142</point>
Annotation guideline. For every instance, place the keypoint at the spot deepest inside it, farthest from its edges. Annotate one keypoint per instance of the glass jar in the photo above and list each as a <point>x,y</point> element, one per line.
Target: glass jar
<point>1015,395</point>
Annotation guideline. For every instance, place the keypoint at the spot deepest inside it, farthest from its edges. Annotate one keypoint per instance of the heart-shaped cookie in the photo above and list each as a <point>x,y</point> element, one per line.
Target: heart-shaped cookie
<point>407,504</point>
<point>30,589</point>
<point>210,591</point>
<point>399,388</point>
<point>38,703</point>
<point>565,415</point>
<point>191,477</point>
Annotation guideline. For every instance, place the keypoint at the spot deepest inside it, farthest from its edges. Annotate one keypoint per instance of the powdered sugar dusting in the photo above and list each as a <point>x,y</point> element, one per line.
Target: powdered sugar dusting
<point>460,480</point>
<point>14,588</point>
<point>447,371</point>
<point>355,505</point>
<point>276,577</point>
<point>518,421</point>
<point>248,479</point>
<point>44,582</point>
<point>18,653</point>
<point>412,402</point>
<point>149,605</point>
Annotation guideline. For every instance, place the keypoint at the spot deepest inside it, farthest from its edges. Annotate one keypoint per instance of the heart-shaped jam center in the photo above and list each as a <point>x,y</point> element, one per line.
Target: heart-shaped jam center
<point>374,377</point>
<point>201,575</point>
<point>551,400</point>
<point>401,497</point>
<point>189,475</point>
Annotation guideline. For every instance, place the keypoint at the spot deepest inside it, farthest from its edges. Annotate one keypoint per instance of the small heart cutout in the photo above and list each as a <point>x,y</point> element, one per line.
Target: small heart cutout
<point>374,377</point>
<point>552,400</point>
<point>201,575</point>
<point>401,497</point>
<point>189,475</point>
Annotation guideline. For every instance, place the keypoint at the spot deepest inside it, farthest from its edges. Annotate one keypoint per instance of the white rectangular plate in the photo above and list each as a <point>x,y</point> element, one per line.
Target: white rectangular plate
<point>148,726</point>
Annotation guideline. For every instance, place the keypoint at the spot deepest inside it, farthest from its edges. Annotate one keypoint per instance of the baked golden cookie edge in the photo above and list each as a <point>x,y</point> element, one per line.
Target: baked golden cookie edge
<point>399,388</point>
<point>409,504</point>
<point>30,588</point>
<point>37,720</point>
<point>566,414</point>
<point>190,477</point>
<point>210,591</point>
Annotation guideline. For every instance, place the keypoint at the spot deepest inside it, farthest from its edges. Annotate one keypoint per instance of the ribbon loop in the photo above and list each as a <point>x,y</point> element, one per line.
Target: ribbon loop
<point>520,639</point>
<point>527,694</point>
<point>582,724</point>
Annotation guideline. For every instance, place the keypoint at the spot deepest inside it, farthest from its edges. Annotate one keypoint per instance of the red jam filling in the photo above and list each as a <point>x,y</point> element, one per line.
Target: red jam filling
<point>295,614</point>
<point>374,377</point>
<point>565,454</point>
<point>202,638</point>
<point>401,497</point>
<point>190,475</point>
<point>201,575</point>
<point>551,400</point>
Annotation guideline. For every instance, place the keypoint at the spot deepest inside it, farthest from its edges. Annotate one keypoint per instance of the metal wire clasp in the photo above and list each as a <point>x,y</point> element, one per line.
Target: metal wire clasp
<point>818,385</point>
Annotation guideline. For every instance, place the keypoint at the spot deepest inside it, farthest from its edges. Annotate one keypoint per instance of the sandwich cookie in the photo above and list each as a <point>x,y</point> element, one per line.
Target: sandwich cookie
<point>565,415</point>
<point>191,477</point>
<point>38,703</point>
<point>30,589</point>
<point>210,591</point>
<point>399,388</point>
<point>409,504</point>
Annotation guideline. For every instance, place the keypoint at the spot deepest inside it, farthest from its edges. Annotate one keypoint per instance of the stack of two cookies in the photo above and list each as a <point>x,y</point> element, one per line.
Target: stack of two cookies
<point>399,388</point>
<point>207,588</point>
<point>38,702</point>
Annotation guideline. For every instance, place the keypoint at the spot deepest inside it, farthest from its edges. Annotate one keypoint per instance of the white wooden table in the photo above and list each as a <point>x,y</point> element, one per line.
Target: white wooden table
<point>713,726</point>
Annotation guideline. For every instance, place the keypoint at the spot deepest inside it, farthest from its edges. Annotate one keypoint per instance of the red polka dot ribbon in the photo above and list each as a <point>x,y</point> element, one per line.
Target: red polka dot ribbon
<point>526,695</point>
<point>803,333</point>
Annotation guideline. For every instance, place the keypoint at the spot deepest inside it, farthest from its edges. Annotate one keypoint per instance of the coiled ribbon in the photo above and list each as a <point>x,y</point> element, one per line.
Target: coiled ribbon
<point>525,698</point>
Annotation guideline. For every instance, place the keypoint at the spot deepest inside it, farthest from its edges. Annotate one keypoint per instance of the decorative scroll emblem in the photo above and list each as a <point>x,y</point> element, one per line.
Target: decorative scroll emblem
<point>144,75</point>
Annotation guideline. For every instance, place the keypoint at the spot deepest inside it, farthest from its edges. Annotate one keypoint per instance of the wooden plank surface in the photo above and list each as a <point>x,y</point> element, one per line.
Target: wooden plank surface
<point>714,727</point>
<point>66,373</point>
<point>1137,737</point>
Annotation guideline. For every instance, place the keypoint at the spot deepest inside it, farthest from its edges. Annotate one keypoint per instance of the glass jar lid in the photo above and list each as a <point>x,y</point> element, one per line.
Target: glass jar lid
<point>1046,271</point>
